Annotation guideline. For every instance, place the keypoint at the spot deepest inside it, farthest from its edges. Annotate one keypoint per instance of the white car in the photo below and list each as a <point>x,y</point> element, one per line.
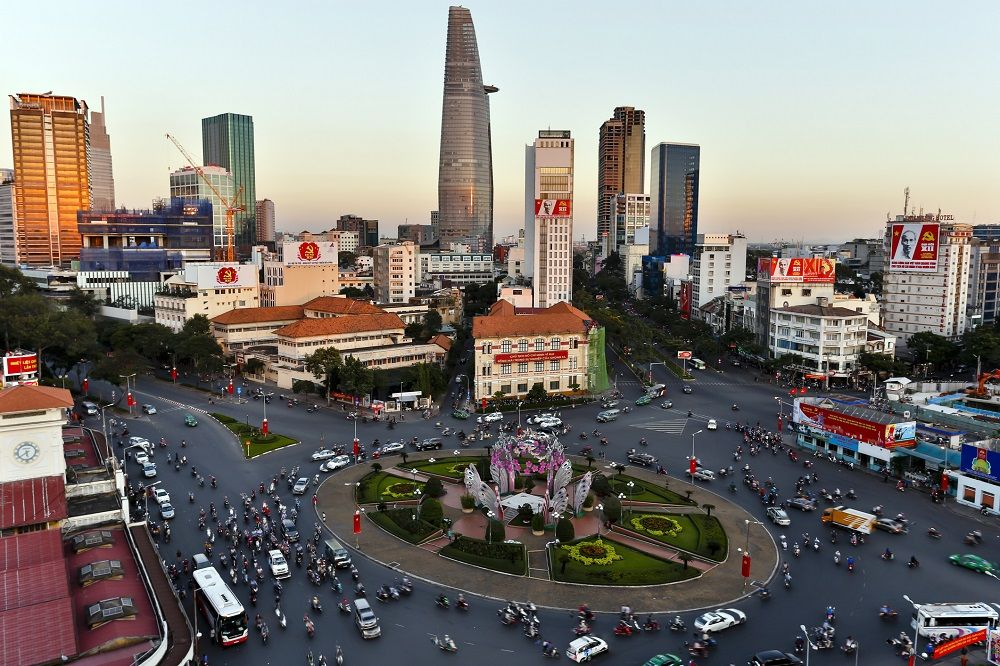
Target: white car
<point>333,464</point>
<point>778,516</point>
<point>712,425</point>
<point>704,475</point>
<point>148,409</point>
<point>538,418</point>
<point>720,619</point>
<point>279,565</point>
<point>301,486</point>
<point>162,496</point>
<point>166,511</point>
<point>549,423</point>
<point>492,417</point>
<point>323,454</point>
<point>391,447</point>
<point>141,442</point>
<point>149,470</point>
<point>141,457</point>
<point>585,648</point>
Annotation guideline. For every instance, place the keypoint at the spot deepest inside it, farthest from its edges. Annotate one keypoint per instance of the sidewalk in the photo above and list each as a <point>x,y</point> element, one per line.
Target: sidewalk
<point>718,586</point>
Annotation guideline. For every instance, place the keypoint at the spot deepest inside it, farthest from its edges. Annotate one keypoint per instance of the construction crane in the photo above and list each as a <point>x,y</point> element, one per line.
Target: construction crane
<point>232,204</point>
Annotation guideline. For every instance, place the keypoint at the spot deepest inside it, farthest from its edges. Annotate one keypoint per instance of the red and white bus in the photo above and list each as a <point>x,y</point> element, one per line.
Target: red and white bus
<point>224,612</point>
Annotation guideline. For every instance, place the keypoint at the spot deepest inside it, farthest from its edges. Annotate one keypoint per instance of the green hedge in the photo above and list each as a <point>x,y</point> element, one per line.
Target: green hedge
<point>633,568</point>
<point>222,418</point>
<point>374,485</point>
<point>505,557</point>
<point>399,522</point>
<point>697,532</point>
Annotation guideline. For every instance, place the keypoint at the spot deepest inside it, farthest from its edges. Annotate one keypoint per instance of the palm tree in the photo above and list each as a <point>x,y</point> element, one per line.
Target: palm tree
<point>590,461</point>
<point>708,509</point>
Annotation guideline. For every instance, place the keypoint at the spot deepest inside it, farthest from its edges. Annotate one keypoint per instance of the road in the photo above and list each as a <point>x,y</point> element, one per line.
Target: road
<point>409,623</point>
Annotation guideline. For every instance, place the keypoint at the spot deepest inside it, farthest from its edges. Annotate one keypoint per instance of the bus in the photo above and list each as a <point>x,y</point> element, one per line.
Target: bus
<point>698,363</point>
<point>224,612</point>
<point>951,620</point>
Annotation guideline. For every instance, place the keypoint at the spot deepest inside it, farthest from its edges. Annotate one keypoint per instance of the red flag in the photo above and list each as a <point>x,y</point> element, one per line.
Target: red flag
<point>230,387</point>
<point>357,522</point>
<point>693,466</point>
<point>357,448</point>
<point>173,374</point>
<point>86,385</point>
<point>746,565</point>
<point>130,401</point>
<point>779,424</point>
<point>263,427</point>
<point>944,482</point>
<point>484,404</point>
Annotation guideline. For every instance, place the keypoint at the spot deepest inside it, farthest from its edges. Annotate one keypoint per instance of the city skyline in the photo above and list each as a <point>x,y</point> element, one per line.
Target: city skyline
<point>811,122</point>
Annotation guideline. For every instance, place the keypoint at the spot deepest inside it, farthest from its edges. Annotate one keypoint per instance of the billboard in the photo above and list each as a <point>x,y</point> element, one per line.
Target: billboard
<point>981,463</point>
<point>797,269</point>
<point>310,253</point>
<point>686,355</point>
<point>685,300</point>
<point>522,357</point>
<point>913,247</point>
<point>553,208</point>
<point>854,427</point>
<point>226,276</point>
<point>20,364</point>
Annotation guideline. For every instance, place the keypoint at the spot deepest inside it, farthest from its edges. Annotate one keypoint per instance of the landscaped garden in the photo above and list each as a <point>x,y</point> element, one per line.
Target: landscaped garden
<point>451,468</point>
<point>405,524</point>
<point>259,442</point>
<point>594,561</point>
<point>645,491</point>
<point>695,533</point>
<point>506,557</point>
<point>384,487</point>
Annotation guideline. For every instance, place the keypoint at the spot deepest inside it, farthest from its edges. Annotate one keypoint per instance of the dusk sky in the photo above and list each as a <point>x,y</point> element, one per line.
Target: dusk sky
<point>811,118</point>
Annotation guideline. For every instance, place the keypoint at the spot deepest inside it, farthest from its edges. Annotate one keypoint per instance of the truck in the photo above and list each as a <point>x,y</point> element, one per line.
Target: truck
<point>850,519</point>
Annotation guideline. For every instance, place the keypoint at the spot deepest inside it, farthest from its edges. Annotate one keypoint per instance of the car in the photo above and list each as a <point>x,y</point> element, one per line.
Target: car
<point>323,454</point>
<point>712,425</point>
<point>88,408</point>
<point>704,475</point>
<point>549,423</point>
<point>974,562</point>
<point>890,525</point>
<point>460,414</point>
<point>609,404</point>
<point>279,565</point>
<point>664,660</point>
<point>141,457</point>
<point>643,400</point>
<point>190,421</point>
<point>149,470</point>
<point>335,463</point>
<point>429,444</point>
<point>586,648</point>
<point>666,404</point>
<point>802,503</point>
<point>656,390</point>
<point>161,496</point>
<point>538,418</point>
<point>775,658</point>
<point>778,516</point>
<point>492,417</point>
<point>140,442</point>
<point>687,389</point>
<point>301,486</point>
<point>644,459</point>
<point>719,619</point>
<point>166,511</point>
<point>391,447</point>
<point>291,532</point>
<point>148,409</point>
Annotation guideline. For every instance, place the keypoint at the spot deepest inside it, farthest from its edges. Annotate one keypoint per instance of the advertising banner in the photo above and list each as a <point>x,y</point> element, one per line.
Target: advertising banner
<point>531,356</point>
<point>685,300</point>
<point>843,442</point>
<point>553,208</point>
<point>20,365</point>
<point>309,253</point>
<point>684,355</point>
<point>981,463</point>
<point>797,269</point>
<point>956,644</point>
<point>854,427</point>
<point>993,647</point>
<point>913,247</point>
<point>226,276</point>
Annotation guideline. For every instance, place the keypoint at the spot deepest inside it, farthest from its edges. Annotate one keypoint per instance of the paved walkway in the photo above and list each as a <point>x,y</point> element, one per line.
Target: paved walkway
<point>717,586</point>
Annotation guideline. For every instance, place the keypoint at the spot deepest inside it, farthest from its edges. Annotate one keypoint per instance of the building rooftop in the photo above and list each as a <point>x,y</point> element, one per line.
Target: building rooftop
<point>260,315</point>
<point>342,306</point>
<point>506,320</point>
<point>442,341</point>
<point>822,311</point>
<point>315,326</point>
<point>26,398</point>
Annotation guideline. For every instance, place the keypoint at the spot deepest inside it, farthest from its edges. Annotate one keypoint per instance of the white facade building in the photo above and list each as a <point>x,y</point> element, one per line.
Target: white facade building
<point>719,262</point>
<point>829,339</point>
<point>630,212</point>
<point>395,271</point>
<point>8,212</point>
<point>208,289</point>
<point>187,185</point>
<point>455,268</point>
<point>548,216</point>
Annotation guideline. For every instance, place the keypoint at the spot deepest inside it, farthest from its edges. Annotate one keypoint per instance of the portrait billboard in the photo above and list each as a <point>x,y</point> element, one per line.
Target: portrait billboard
<point>226,276</point>
<point>981,463</point>
<point>553,208</point>
<point>913,247</point>
<point>685,300</point>
<point>797,269</point>
<point>309,253</point>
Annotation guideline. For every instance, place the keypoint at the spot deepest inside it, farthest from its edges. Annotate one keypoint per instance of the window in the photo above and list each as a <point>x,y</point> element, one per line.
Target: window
<point>969,495</point>
<point>486,370</point>
<point>505,388</point>
<point>522,345</point>
<point>554,344</point>
<point>522,367</point>
<point>522,388</point>
<point>572,363</point>
<point>554,385</point>
<point>505,368</point>
<point>572,343</point>
<point>554,366</point>
<point>539,366</point>
<point>506,346</point>
<point>539,344</point>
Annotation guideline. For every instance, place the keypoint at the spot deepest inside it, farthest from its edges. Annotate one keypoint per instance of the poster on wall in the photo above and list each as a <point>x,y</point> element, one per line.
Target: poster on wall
<point>913,247</point>
<point>854,427</point>
<point>797,269</point>
<point>981,463</point>
<point>553,207</point>
<point>685,300</point>
<point>309,253</point>
<point>226,276</point>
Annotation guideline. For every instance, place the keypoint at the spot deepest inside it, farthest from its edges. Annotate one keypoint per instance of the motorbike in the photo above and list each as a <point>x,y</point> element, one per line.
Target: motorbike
<point>850,646</point>
<point>651,624</point>
<point>765,594</point>
<point>339,658</point>
<point>816,544</point>
<point>446,643</point>
<point>382,594</point>
<point>582,629</point>
<point>551,651</point>
<point>344,607</point>
<point>405,586</point>
<point>850,565</point>
<point>831,614</point>
<point>462,604</point>
<point>973,538</point>
<point>933,533</point>
<point>316,605</point>
<point>851,495</point>
<point>887,613</point>
<point>795,550</point>
<point>623,629</point>
<point>442,602</point>
<point>836,558</point>
<point>506,617</point>
<point>677,624</point>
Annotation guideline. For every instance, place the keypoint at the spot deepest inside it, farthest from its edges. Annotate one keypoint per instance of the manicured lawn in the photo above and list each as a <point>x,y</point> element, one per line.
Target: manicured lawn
<point>258,443</point>
<point>451,468</point>
<point>632,567</point>
<point>506,557</point>
<point>644,491</point>
<point>401,523</point>
<point>388,488</point>
<point>695,533</point>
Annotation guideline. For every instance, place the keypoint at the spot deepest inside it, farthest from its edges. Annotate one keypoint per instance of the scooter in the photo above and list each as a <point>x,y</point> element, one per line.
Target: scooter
<point>933,533</point>
<point>677,624</point>
<point>344,607</point>
<point>446,644</point>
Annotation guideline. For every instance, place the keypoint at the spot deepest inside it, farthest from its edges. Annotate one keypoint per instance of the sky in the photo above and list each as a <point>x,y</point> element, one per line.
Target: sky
<point>812,118</point>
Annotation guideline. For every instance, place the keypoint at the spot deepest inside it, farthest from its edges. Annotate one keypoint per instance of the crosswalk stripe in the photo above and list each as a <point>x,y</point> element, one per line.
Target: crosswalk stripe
<point>674,426</point>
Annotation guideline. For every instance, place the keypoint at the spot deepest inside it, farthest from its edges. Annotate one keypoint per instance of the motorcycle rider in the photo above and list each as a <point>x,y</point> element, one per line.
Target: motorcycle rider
<point>887,555</point>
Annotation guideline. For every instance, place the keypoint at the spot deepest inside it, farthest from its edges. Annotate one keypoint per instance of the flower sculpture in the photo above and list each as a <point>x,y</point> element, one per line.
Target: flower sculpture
<point>532,453</point>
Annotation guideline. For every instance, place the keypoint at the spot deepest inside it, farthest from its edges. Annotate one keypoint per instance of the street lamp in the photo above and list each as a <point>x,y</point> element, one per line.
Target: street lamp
<point>746,549</point>
<point>692,464</point>
<point>489,527</point>
<point>809,645</point>
<point>916,631</point>
<point>519,403</point>
<point>145,499</point>
<point>600,507</point>
<point>127,385</point>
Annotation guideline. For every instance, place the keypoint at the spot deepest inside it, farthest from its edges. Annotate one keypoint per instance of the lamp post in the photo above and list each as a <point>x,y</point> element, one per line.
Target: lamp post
<point>127,387</point>
<point>809,645</point>
<point>746,549</point>
<point>519,403</point>
<point>916,632</point>
<point>692,465</point>
<point>489,527</point>
<point>600,507</point>
<point>104,426</point>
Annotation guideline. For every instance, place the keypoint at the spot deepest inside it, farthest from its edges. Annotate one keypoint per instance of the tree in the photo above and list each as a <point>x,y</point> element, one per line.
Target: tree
<point>414,330</point>
<point>428,378</point>
<point>564,530</point>
<point>346,259</point>
<point>983,342</point>
<point>352,292</point>
<point>612,509</point>
<point>202,352</point>
<point>197,325</point>
<point>404,455</point>
<point>563,558</point>
<point>495,531</point>
<point>324,363</point>
<point>83,302</point>
<point>431,511</point>
<point>253,366</point>
<point>434,487</point>
<point>376,467</point>
<point>932,348</point>
<point>537,393</point>
<point>12,281</point>
<point>590,461</point>
<point>685,558</point>
<point>708,509</point>
<point>355,378</point>
<point>432,323</point>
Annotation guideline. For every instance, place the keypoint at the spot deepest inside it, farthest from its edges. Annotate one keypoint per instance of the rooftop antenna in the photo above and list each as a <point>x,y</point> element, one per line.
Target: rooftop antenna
<point>906,200</point>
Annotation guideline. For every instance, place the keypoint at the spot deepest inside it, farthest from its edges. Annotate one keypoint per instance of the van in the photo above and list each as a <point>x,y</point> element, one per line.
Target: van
<point>201,562</point>
<point>365,618</point>
<point>88,408</point>
<point>608,415</point>
<point>656,390</point>
<point>336,553</point>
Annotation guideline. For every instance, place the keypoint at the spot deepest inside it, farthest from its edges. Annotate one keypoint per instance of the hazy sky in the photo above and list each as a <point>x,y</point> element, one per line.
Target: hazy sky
<point>812,118</point>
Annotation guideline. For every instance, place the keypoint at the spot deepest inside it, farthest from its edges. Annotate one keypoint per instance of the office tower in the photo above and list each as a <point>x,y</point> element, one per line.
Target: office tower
<point>187,185</point>
<point>265,221</point>
<point>718,263</point>
<point>548,216</point>
<point>673,198</point>
<point>227,141</point>
<point>465,171</point>
<point>367,230</point>
<point>621,162</point>
<point>629,212</point>
<point>8,239</point>
<point>102,180</point>
<point>395,271</point>
<point>51,140</point>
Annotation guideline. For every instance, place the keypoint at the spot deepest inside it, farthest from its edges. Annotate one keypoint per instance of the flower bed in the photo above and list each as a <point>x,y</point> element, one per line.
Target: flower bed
<point>450,468</point>
<point>592,552</point>
<point>656,525</point>
<point>593,561</point>
<point>376,487</point>
<point>508,558</point>
<point>695,533</point>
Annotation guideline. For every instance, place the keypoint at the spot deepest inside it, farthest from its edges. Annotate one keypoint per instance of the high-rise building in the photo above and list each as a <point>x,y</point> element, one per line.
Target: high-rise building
<point>8,239</point>
<point>465,170</point>
<point>548,216</point>
<point>629,212</point>
<point>102,180</point>
<point>187,185</point>
<point>227,141</point>
<point>621,162</point>
<point>265,221</point>
<point>395,272</point>
<point>673,198</point>
<point>718,263</point>
<point>51,140</point>
<point>367,230</point>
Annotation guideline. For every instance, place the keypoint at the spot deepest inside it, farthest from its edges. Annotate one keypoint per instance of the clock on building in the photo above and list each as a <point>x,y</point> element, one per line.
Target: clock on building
<point>26,452</point>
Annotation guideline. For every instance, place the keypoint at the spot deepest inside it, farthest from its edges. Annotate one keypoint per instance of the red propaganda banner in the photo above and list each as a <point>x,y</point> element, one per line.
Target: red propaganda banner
<point>357,522</point>
<point>956,644</point>
<point>745,566</point>
<point>20,365</point>
<point>854,427</point>
<point>357,448</point>
<point>914,247</point>
<point>685,300</point>
<point>553,208</point>
<point>483,403</point>
<point>531,356</point>
<point>797,269</point>
<point>130,401</point>
<point>343,397</point>
<point>685,355</point>
<point>227,275</point>
<point>693,466</point>
<point>173,374</point>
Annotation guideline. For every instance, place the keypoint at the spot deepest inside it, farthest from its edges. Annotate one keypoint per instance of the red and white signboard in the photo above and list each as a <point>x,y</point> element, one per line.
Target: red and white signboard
<point>309,253</point>
<point>913,247</point>
<point>553,208</point>
<point>226,276</point>
<point>797,269</point>
<point>956,644</point>
<point>685,300</point>
<point>20,365</point>
<point>522,357</point>
<point>684,355</point>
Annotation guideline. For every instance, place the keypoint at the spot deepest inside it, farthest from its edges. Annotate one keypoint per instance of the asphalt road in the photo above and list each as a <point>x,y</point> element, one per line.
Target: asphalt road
<point>409,623</point>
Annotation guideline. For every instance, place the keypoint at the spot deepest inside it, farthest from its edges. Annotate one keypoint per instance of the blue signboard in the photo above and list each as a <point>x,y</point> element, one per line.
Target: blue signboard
<point>842,442</point>
<point>981,463</point>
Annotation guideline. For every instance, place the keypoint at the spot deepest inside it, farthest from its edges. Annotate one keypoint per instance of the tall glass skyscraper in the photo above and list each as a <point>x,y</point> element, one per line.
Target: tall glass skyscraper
<point>673,198</point>
<point>465,172</point>
<point>227,141</point>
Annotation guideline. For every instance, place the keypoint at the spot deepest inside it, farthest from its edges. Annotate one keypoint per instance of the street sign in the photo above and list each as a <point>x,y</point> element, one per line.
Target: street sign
<point>686,355</point>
